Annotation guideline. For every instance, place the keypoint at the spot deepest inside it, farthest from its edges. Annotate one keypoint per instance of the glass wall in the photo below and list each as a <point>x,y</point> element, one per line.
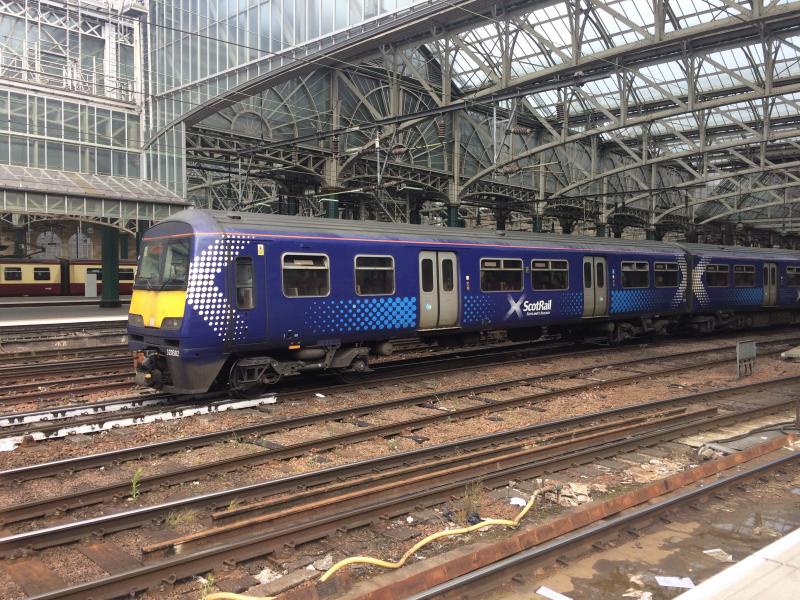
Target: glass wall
<point>65,47</point>
<point>51,133</point>
<point>198,49</point>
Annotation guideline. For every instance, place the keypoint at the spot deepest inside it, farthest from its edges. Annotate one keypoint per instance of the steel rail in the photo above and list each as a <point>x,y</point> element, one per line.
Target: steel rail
<point>19,387</point>
<point>185,565</point>
<point>602,528</point>
<point>492,458</point>
<point>72,464</point>
<point>32,356</point>
<point>84,498</point>
<point>64,366</point>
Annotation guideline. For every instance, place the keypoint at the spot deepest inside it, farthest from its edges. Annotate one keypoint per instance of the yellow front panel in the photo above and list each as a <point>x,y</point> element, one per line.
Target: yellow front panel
<point>155,306</point>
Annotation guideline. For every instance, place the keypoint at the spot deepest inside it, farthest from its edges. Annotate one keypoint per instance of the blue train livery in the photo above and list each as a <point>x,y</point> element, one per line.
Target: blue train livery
<point>241,300</point>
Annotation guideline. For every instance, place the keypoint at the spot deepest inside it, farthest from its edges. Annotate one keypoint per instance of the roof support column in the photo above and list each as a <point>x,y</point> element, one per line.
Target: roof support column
<point>109,297</point>
<point>453,185</point>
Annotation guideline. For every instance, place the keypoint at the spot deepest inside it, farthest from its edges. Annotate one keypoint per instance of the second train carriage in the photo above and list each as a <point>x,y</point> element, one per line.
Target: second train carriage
<point>57,277</point>
<point>244,299</point>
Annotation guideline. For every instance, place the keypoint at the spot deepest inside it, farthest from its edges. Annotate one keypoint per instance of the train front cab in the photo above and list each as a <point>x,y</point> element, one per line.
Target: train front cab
<point>159,331</point>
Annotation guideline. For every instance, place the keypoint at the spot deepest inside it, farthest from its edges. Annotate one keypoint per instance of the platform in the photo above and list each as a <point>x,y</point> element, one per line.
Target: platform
<point>24,301</point>
<point>772,573</point>
<point>38,312</point>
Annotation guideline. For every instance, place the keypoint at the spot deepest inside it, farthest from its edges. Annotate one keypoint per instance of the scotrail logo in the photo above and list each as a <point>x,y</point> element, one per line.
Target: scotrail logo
<point>522,307</point>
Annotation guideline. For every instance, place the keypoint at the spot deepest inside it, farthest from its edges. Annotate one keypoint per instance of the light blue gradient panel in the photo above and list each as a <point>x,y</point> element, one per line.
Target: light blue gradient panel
<point>568,305</point>
<point>753,296</point>
<point>363,314</point>
<point>634,300</point>
<point>477,309</point>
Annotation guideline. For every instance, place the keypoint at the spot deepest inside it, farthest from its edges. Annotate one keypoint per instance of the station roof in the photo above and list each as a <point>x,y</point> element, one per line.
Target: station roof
<point>32,190</point>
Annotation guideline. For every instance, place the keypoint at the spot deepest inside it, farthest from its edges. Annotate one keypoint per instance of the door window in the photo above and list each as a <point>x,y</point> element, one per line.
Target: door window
<point>244,283</point>
<point>587,275</point>
<point>447,275</point>
<point>427,275</point>
<point>601,274</point>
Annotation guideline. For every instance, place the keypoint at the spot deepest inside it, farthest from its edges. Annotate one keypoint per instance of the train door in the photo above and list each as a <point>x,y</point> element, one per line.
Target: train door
<point>438,291</point>
<point>770,284</point>
<point>247,281</point>
<point>595,287</point>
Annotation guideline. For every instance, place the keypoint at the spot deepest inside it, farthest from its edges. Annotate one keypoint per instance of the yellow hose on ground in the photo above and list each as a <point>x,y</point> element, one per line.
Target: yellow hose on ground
<point>434,536</point>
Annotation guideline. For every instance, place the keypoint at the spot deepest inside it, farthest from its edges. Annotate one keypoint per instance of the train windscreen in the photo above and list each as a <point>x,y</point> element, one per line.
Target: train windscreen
<point>164,265</point>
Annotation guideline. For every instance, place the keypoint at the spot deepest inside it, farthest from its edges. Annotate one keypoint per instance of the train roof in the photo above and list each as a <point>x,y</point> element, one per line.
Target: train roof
<point>244,222</point>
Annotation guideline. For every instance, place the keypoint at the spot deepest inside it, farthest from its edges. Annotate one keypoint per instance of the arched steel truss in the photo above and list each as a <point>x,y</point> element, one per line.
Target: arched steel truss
<point>666,118</point>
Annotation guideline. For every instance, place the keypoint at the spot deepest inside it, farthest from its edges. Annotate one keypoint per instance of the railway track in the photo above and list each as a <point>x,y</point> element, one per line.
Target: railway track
<point>272,514</point>
<point>478,582</point>
<point>32,357</point>
<point>93,415</point>
<point>46,424</point>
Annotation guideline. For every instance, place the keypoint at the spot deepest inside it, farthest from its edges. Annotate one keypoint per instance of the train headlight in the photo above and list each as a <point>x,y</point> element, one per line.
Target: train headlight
<point>136,320</point>
<point>171,323</point>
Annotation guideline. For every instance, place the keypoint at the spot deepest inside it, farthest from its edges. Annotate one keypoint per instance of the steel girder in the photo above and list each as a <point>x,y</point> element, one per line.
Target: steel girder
<point>653,134</point>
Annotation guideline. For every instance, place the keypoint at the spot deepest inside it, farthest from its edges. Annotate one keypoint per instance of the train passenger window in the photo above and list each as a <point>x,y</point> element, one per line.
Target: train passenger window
<point>549,274</point>
<point>244,283</point>
<point>666,274</point>
<point>447,275</point>
<point>374,275</point>
<point>718,275</point>
<point>12,274</point>
<point>41,273</point>
<point>306,275</point>
<point>635,275</point>
<point>427,275</point>
<point>126,274</point>
<point>744,275</point>
<point>501,274</point>
<point>793,276</point>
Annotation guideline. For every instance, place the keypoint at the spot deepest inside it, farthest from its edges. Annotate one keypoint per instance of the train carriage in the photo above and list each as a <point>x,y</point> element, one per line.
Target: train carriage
<point>78,269</point>
<point>244,299</point>
<point>31,277</point>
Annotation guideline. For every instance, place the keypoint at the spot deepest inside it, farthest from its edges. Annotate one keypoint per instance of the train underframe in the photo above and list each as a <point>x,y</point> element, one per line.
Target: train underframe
<point>249,373</point>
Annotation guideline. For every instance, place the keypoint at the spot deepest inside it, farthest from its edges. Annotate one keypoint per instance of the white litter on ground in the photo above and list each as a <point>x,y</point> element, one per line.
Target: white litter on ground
<point>719,554</point>
<point>676,582</point>
<point>517,501</point>
<point>10,443</point>
<point>552,594</point>
<point>58,414</point>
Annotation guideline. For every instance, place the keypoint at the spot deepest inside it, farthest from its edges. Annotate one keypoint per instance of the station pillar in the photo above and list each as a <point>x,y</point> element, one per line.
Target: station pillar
<point>291,205</point>
<point>414,207</point>
<point>331,208</point>
<point>500,219</point>
<point>141,228</point>
<point>453,219</point>
<point>109,297</point>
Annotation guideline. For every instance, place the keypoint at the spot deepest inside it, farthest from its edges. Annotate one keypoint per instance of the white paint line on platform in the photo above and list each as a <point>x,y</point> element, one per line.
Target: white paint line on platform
<point>62,321</point>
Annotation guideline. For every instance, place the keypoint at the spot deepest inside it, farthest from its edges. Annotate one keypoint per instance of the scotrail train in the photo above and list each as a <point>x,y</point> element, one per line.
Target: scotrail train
<point>241,300</point>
